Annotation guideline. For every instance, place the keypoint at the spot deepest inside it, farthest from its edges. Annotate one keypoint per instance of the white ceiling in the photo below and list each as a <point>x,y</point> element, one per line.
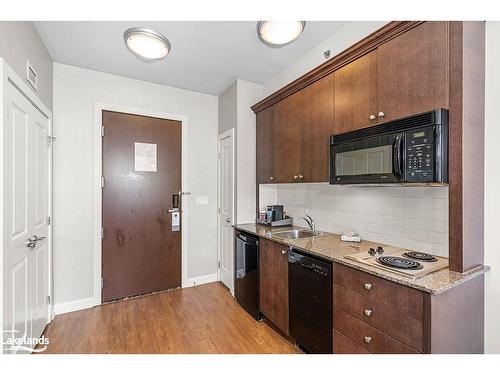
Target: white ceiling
<point>205,57</point>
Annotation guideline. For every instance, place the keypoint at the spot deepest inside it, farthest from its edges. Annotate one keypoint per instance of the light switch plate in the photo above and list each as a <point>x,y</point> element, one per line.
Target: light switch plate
<point>202,201</point>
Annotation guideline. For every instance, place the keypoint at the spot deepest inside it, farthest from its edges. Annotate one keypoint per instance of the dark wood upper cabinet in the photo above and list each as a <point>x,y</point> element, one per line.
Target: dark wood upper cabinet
<point>316,127</point>
<point>273,296</point>
<point>413,72</point>
<point>287,116</point>
<point>356,94</point>
<point>265,146</point>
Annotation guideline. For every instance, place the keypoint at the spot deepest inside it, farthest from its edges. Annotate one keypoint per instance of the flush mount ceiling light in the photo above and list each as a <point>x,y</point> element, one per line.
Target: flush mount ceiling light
<point>147,45</point>
<point>279,33</point>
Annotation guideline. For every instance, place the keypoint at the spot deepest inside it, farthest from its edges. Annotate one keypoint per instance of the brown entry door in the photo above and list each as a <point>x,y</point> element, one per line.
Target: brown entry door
<point>141,251</point>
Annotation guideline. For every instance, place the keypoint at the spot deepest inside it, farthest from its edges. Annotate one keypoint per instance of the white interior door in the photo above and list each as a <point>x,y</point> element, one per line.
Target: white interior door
<point>25,201</point>
<point>226,208</point>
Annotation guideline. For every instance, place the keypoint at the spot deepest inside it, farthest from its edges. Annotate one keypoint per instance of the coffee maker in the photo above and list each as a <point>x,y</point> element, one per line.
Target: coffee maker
<point>275,216</point>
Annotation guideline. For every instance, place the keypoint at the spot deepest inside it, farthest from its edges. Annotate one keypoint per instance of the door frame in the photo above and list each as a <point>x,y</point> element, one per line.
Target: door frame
<point>9,76</point>
<point>227,133</point>
<point>97,190</point>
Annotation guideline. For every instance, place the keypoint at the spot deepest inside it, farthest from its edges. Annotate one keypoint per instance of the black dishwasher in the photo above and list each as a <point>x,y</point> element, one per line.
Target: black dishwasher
<point>310,298</point>
<point>246,273</point>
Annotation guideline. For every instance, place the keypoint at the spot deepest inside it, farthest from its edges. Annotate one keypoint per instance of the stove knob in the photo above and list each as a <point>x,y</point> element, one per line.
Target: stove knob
<point>372,251</point>
<point>368,286</point>
<point>367,312</point>
<point>380,250</point>
<point>368,339</point>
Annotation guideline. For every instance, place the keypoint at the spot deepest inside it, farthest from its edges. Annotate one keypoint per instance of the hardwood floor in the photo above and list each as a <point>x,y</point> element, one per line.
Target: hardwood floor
<point>204,319</point>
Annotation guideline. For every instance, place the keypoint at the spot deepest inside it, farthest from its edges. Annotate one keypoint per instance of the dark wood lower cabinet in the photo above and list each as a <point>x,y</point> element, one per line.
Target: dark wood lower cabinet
<point>344,345</point>
<point>379,316</point>
<point>367,336</point>
<point>274,283</point>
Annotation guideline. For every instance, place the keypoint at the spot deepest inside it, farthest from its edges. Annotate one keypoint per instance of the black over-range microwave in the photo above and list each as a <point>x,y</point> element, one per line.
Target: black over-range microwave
<point>408,150</point>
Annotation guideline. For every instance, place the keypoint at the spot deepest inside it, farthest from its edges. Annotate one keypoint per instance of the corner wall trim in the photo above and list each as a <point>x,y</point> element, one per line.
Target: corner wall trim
<point>66,307</point>
<point>199,280</point>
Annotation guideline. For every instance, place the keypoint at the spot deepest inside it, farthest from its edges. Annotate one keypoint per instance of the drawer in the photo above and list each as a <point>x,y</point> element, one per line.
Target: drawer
<point>368,337</point>
<point>403,321</point>
<point>372,286</point>
<point>343,345</point>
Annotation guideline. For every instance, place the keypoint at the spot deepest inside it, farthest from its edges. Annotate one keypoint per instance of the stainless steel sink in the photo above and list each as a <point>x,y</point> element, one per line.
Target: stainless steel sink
<point>296,233</point>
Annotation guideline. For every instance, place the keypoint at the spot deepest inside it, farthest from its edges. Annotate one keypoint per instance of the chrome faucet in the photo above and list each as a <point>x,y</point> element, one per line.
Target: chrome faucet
<point>309,220</point>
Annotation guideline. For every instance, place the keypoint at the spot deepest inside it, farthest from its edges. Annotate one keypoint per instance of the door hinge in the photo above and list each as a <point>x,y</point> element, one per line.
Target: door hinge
<point>50,140</point>
<point>48,220</point>
<point>219,155</point>
<point>102,181</point>
<point>102,283</point>
<point>48,300</point>
<point>219,210</point>
<point>102,232</point>
<point>219,264</point>
<point>102,130</point>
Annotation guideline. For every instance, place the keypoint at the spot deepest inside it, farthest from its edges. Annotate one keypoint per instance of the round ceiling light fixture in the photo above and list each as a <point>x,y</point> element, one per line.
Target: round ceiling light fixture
<point>147,45</point>
<point>279,33</point>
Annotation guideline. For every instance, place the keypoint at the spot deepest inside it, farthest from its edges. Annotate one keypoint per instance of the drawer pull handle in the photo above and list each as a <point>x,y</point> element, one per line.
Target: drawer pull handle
<point>368,339</point>
<point>368,286</point>
<point>368,312</point>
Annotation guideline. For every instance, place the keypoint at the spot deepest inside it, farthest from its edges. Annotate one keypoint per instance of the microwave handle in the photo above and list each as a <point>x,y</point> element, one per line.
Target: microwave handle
<point>397,156</point>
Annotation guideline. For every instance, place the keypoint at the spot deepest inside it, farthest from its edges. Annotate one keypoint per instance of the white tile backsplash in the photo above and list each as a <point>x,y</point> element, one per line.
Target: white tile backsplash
<point>412,217</point>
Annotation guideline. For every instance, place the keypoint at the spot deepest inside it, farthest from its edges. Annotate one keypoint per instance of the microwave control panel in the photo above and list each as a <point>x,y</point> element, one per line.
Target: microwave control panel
<point>419,152</point>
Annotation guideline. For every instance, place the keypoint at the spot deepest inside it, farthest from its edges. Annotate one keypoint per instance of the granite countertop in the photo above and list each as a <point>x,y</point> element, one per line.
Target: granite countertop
<point>329,246</point>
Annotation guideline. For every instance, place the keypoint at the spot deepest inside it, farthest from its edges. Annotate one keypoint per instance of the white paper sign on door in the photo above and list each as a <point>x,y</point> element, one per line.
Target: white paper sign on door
<point>145,157</point>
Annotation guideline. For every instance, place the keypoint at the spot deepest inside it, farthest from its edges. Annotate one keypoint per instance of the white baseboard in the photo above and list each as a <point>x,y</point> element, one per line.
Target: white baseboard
<point>205,279</point>
<point>85,303</point>
<point>80,304</point>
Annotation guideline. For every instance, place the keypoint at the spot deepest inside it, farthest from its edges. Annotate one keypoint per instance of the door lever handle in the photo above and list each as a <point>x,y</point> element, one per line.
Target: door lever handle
<point>173,210</point>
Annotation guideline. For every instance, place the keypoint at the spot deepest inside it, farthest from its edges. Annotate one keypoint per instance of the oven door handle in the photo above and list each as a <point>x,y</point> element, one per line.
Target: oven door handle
<point>397,156</point>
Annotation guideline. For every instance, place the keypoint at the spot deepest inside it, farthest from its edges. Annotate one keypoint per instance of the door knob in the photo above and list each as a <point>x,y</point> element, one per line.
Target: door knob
<point>228,220</point>
<point>300,176</point>
<point>367,312</point>
<point>368,286</point>
<point>31,242</point>
<point>271,178</point>
<point>368,339</point>
<point>283,252</point>
<point>372,117</point>
<point>295,177</point>
<point>381,114</point>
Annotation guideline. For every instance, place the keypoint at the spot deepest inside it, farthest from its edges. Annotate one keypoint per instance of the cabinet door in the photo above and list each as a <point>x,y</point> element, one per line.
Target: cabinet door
<point>287,116</point>
<point>317,126</point>
<point>412,72</point>
<point>356,94</point>
<point>265,146</point>
<point>274,283</point>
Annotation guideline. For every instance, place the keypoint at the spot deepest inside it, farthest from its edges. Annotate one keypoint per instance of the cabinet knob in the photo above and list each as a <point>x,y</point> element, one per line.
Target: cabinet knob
<point>295,177</point>
<point>368,339</point>
<point>367,312</point>
<point>283,252</point>
<point>368,286</point>
<point>372,117</point>
<point>300,176</point>
<point>271,178</point>
<point>381,114</point>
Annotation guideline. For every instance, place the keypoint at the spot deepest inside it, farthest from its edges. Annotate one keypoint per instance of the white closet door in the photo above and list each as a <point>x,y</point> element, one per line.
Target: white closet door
<point>26,186</point>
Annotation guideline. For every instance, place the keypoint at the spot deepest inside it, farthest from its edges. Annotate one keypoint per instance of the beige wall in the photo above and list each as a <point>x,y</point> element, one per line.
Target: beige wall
<point>76,91</point>
<point>19,41</point>
<point>492,188</point>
